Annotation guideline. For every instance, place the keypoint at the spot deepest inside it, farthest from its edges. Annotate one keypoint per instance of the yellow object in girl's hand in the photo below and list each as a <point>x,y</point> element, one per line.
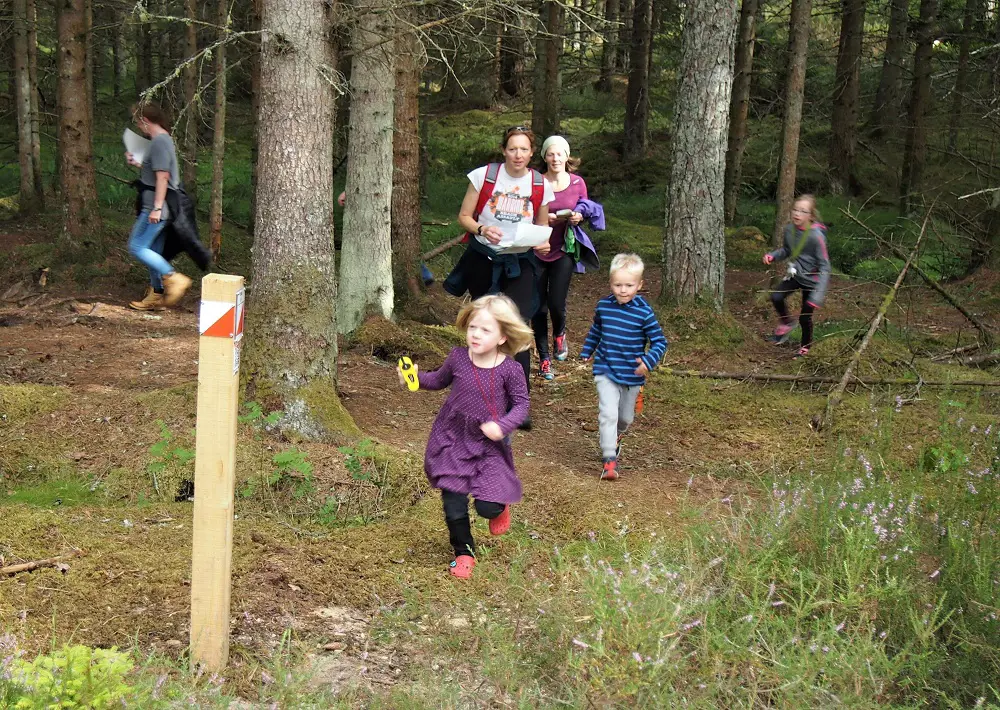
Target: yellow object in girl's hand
<point>408,372</point>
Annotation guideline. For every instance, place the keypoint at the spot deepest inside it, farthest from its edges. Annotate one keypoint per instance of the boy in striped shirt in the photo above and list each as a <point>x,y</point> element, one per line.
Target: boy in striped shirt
<point>623,324</point>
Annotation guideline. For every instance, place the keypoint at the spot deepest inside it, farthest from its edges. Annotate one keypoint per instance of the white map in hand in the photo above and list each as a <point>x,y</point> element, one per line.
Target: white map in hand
<point>527,236</point>
<point>136,145</point>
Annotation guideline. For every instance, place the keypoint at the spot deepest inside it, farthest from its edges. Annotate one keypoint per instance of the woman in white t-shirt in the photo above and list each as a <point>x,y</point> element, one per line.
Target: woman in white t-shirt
<point>514,194</point>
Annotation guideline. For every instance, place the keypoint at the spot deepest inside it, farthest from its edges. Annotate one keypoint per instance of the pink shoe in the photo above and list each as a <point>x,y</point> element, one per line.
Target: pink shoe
<point>782,332</point>
<point>462,565</point>
<point>501,524</point>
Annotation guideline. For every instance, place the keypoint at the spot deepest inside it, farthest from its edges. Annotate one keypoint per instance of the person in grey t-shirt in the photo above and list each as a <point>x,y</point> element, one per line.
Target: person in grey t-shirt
<point>157,173</point>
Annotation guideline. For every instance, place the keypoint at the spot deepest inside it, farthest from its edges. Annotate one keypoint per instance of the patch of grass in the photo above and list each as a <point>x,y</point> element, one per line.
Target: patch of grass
<point>20,402</point>
<point>852,580</point>
<point>50,494</point>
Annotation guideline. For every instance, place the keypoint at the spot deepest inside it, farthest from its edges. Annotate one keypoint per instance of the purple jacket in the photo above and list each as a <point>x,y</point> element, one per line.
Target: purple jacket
<point>593,212</point>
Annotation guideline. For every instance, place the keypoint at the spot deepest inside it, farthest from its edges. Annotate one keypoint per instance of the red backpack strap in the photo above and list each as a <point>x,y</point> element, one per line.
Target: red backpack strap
<point>537,190</point>
<point>486,191</point>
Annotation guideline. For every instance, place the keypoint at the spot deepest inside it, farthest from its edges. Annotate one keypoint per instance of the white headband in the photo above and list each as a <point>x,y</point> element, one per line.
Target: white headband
<point>556,142</point>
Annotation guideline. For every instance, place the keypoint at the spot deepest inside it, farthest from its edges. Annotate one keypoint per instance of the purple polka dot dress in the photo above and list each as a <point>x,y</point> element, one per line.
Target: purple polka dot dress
<point>459,456</point>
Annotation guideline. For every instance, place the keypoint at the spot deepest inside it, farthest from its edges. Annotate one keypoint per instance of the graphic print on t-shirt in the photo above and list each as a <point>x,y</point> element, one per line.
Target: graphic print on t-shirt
<point>509,206</point>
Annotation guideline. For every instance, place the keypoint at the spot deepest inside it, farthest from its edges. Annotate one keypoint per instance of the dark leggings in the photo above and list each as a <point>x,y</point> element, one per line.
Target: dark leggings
<point>456,515</point>
<point>521,290</point>
<point>553,289</point>
<point>785,289</point>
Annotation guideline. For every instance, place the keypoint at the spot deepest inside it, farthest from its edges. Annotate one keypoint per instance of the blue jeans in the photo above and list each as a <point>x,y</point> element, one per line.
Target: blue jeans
<point>145,243</point>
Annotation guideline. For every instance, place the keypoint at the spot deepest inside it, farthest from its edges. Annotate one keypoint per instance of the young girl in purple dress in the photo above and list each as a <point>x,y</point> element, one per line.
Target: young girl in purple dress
<point>468,452</point>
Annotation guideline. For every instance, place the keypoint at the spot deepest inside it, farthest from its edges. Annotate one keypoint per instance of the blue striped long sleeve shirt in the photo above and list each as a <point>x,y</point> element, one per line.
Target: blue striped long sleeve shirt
<point>619,335</point>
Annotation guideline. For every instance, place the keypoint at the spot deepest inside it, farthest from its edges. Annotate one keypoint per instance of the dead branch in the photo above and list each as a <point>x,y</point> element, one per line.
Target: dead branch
<point>442,248</point>
<point>979,360</point>
<point>837,393</point>
<point>950,355</point>
<point>37,564</point>
<point>930,281</point>
<point>818,379</point>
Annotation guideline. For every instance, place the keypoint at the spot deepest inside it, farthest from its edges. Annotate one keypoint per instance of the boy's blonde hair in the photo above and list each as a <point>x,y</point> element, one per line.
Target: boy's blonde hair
<point>627,262</point>
<point>512,326</point>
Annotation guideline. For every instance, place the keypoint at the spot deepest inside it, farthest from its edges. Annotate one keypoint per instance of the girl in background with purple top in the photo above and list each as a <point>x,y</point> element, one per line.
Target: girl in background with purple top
<point>468,452</point>
<point>557,266</point>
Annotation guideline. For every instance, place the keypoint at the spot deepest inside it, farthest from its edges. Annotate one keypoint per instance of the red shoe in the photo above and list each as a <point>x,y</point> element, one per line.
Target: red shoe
<point>501,524</point>
<point>462,565</point>
<point>610,472</point>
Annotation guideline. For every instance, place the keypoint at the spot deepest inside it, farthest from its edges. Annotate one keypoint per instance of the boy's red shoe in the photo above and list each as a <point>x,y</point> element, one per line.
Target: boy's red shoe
<point>501,524</point>
<point>462,565</point>
<point>610,472</point>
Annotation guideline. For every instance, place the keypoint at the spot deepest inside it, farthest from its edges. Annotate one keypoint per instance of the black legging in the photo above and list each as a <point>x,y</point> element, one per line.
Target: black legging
<point>456,515</point>
<point>553,289</point>
<point>785,289</point>
<point>521,290</point>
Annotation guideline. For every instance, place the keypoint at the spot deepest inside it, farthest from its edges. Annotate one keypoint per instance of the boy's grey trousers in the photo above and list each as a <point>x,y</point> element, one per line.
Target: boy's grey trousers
<point>616,410</point>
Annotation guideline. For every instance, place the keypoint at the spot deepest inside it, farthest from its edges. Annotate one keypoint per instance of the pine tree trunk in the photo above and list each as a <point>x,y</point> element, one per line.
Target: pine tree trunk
<point>844,132</point>
<point>36,116</point>
<point>88,19</point>
<point>512,59</point>
<point>406,227</point>
<point>290,351</point>
<point>191,102</point>
<point>885,113</point>
<point>144,58</point>
<point>637,98</point>
<point>28,199</point>
<point>366,246</point>
<point>118,56</point>
<point>255,107</point>
<point>219,134</point>
<point>915,153</point>
<point>79,191</point>
<point>545,103</point>
<point>798,50</point>
<point>694,245</point>
<point>962,75</point>
<point>625,11</point>
<point>609,49</point>
<point>739,107</point>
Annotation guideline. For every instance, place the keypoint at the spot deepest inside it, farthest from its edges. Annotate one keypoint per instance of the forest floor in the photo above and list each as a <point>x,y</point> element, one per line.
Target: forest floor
<point>83,381</point>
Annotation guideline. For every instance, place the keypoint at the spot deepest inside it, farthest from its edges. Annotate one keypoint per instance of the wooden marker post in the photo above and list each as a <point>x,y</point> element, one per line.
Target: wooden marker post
<point>220,323</point>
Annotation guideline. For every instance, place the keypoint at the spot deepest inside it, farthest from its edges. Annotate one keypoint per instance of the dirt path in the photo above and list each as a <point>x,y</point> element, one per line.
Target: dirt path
<point>116,371</point>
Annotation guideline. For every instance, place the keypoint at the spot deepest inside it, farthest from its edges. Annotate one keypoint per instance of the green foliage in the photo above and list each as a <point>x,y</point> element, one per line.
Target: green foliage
<point>254,414</point>
<point>289,468</point>
<point>860,579</point>
<point>359,458</point>
<point>166,455</point>
<point>72,677</point>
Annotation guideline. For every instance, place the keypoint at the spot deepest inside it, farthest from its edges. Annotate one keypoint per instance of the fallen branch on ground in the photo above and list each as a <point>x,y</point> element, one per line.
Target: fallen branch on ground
<point>979,360</point>
<point>837,393</point>
<point>37,564</point>
<point>818,379</point>
<point>930,281</point>
<point>950,355</point>
<point>442,248</point>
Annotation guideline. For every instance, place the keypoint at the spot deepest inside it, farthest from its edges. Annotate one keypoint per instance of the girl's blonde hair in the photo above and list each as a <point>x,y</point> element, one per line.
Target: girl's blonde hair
<point>512,326</point>
<point>813,210</point>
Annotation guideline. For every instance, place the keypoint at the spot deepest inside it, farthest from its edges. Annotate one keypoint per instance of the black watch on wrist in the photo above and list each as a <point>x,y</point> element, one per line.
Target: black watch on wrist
<point>479,229</point>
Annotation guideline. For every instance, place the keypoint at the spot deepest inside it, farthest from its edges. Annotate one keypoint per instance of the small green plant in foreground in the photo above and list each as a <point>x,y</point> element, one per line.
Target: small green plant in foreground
<point>165,453</point>
<point>71,677</point>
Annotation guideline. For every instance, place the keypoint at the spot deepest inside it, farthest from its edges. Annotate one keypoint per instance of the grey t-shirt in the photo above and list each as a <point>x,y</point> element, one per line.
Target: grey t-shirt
<point>161,156</point>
